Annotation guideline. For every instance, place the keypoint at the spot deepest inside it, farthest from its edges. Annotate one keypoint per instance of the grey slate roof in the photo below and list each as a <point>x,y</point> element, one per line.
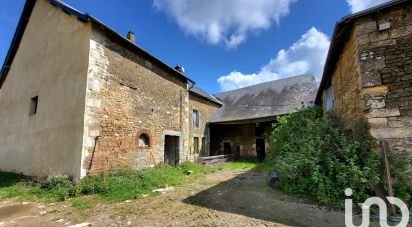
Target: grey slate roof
<point>266,100</point>
<point>200,92</point>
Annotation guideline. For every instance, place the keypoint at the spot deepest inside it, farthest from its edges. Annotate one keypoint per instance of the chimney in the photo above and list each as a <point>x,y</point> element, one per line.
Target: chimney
<point>180,68</point>
<point>131,37</point>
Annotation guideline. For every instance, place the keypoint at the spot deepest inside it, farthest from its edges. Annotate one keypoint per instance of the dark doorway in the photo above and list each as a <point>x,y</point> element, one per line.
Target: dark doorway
<point>172,150</point>
<point>227,149</point>
<point>237,152</point>
<point>260,149</point>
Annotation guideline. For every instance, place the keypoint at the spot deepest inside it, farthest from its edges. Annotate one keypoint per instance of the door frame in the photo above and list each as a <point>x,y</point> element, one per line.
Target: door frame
<point>177,134</point>
<point>259,157</point>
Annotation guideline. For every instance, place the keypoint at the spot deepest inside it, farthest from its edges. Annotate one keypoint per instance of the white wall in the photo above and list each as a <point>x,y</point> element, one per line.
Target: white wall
<point>51,63</point>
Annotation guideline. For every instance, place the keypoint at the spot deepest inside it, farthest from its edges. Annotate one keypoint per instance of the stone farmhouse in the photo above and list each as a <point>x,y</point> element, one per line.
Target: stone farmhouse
<point>76,97</point>
<point>368,73</point>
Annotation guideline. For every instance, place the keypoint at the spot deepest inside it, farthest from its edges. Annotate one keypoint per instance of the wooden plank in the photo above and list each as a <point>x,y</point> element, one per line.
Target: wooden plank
<point>384,149</point>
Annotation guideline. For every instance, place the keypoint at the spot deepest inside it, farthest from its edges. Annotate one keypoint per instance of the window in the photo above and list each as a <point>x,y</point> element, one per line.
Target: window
<point>144,140</point>
<point>203,150</point>
<point>195,118</point>
<point>196,145</point>
<point>329,99</point>
<point>33,105</point>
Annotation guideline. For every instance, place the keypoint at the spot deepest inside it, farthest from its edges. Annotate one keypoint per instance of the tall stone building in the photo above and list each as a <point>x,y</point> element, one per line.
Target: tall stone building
<point>76,97</point>
<point>368,73</point>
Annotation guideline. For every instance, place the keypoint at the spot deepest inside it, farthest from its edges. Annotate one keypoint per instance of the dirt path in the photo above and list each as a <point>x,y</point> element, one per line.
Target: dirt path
<point>224,198</point>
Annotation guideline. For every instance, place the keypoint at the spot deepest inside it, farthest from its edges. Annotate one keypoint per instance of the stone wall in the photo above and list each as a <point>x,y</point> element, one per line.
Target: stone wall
<point>127,96</point>
<point>373,77</point>
<point>242,138</point>
<point>346,86</point>
<point>206,109</point>
<point>386,75</point>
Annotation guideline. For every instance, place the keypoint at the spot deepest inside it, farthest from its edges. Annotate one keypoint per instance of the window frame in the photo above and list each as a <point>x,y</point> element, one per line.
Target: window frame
<point>196,144</point>
<point>145,133</point>
<point>195,120</point>
<point>329,98</point>
<point>34,103</point>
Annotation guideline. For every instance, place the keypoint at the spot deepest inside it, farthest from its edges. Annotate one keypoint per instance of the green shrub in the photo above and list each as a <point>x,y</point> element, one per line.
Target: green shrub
<point>61,187</point>
<point>402,178</point>
<point>315,158</point>
<point>94,184</point>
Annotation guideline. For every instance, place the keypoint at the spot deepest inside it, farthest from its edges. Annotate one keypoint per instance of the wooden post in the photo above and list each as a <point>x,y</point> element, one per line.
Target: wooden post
<point>384,146</point>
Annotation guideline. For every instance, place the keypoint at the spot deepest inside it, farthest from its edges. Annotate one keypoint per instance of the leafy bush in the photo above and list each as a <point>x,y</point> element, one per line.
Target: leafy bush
<point>402,178</point>
<point>60,187</point>
<point>315,158</point>
<point>94,184</point>
<point>55,182</point>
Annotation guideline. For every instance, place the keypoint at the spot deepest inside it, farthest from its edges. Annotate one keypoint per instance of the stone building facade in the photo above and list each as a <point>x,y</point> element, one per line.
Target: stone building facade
<point>199,128</point>
<point>92,100</point>
<point>368,73</point>
<point>129,97</point>
<point>114,104</point>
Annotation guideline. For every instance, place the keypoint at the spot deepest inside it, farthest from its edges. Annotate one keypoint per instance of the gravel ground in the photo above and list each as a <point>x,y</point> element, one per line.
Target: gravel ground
<point>223,198</point>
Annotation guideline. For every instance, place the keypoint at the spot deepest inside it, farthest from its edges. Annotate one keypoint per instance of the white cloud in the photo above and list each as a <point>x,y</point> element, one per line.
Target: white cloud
<point>307,55</point>
<point>359,5</point>
<point>225,22</point>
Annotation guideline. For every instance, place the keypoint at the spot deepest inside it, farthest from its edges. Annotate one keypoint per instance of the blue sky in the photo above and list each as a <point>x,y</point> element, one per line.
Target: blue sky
<point>222,45</point>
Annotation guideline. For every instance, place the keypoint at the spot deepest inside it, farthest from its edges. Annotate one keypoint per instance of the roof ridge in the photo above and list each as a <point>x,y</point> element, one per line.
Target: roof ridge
<point>267,82</point>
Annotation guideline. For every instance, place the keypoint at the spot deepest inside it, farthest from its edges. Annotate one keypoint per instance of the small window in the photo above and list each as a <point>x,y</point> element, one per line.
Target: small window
<point>203,150</point>
<point>33,105</point>
<point>329,99</point>
<point>195,118</point>
<point>196,145</point>
<point>144,140</point>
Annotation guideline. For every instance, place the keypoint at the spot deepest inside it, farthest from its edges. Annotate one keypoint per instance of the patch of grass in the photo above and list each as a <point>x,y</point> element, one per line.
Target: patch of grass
<point>116,185</point>
<point>84,202</point>
<point>11,179</point>
<point>17,185</point>
<point>237,166</point>
<point>123,185</point>
<point>244,164</point>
